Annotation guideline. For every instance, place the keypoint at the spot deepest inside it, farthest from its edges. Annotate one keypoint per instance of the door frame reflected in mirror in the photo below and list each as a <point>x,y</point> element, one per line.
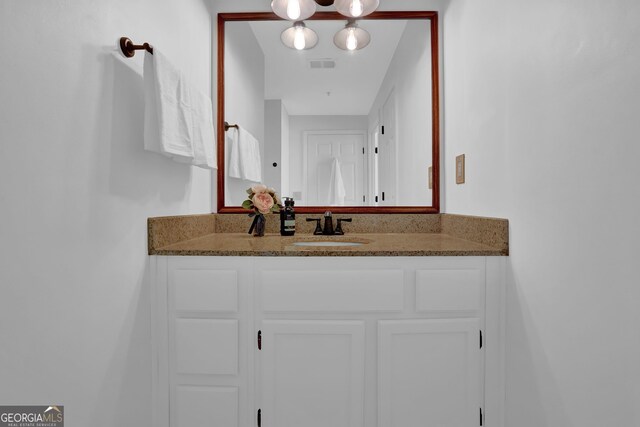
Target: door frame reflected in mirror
<point>432,16</point>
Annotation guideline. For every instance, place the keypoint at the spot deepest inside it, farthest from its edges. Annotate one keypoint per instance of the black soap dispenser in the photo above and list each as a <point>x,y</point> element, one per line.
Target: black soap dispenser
<point>287,218</point>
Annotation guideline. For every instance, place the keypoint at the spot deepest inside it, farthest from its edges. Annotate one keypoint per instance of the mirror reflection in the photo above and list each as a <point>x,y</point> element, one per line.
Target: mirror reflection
<point>327,126</point>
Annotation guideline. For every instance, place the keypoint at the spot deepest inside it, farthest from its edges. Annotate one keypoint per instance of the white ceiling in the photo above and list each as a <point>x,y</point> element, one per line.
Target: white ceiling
<point>348,89</point>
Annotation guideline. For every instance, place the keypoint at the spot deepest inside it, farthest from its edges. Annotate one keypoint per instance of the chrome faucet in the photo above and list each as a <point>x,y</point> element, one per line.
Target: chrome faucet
<point>328,229</point>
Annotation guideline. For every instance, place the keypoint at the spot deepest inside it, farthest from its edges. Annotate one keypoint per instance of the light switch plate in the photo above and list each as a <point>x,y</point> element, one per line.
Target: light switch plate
<point>460,169</point>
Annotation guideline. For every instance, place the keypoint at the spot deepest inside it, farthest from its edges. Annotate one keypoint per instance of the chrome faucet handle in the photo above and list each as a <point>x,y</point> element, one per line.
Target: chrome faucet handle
<point>318,229</point>
<point>328,224</point>
<point>339,225</point>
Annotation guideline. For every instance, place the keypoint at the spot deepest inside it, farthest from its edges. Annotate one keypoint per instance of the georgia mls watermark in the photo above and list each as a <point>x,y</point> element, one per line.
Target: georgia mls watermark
<point>32,416</point>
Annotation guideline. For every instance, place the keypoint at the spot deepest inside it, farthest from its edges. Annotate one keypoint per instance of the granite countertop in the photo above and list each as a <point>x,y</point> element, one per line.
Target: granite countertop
<point>374,244</point>
<point>381,235</point>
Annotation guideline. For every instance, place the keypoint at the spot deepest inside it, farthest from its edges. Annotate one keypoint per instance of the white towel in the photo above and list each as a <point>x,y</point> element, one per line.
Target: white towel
<point>233,168</point>
<point>244,155</point>
<point>167,127</point>
<point>250,160</point>
<point>337,191</point>
<point>178,118</point>
<point>202,132</point>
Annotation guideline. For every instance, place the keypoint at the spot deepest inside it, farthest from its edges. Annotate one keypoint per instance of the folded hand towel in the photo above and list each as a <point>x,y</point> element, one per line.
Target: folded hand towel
<point>178,118</point>
<point>250,160</point>
<point>167,122</point>
<point>245,161</point>
<point>202,131</point>
<point>233,167</point>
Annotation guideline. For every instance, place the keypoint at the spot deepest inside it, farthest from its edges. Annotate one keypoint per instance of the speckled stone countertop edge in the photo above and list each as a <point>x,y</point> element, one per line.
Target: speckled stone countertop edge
<point>200,235</point>
<point>167,230</point>
<point>492,232</point>
<point>372,244</point>
<point>301,253</point>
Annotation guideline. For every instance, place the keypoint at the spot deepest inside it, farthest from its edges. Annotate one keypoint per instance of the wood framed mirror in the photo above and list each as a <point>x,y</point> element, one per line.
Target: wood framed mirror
<point>345,131</point>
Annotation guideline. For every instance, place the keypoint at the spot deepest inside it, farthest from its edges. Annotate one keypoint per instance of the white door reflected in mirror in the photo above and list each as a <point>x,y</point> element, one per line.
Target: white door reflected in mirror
<point>334,168</point>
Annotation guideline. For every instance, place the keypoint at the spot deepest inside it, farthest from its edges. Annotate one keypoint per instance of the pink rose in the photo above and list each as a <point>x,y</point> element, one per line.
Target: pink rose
<point>263,202</point>
<point>259,188</point>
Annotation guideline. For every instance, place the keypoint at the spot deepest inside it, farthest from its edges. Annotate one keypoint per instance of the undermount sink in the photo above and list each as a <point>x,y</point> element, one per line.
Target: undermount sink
<point>327,243</point>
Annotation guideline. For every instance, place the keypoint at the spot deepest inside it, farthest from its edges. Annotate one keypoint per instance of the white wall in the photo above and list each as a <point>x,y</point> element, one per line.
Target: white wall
<point>543,98</point>
<point>244,96</point>
<point>408,77</point>
<point>300,124</point>
<point>273,143</point>
<point>285,161</point>
<point>276,146</point>
<point>76,189</point>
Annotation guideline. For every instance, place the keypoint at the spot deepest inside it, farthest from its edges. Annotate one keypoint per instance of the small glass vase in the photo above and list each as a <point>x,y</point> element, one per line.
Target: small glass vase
<point>258,225</point>
<point>261,224</point>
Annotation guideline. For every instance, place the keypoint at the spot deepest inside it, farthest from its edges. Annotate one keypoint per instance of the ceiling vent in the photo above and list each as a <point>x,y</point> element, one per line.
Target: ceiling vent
<point>316,64</point>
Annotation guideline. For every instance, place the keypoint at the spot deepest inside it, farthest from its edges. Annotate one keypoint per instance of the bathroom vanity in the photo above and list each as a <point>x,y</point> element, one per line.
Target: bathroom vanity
<point>405,329</point>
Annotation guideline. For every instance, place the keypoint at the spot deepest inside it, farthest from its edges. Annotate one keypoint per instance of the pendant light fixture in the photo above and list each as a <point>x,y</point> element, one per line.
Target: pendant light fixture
<point>356,8</point>
<point>299,37</point>
<point>352,37</point>
<point>294,10</point>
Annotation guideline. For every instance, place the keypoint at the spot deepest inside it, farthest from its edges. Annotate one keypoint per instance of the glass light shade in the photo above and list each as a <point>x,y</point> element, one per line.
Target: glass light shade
<point>352,37</point>
<point>294,10</point>
<point>356,8</point>
<point>299,37</point>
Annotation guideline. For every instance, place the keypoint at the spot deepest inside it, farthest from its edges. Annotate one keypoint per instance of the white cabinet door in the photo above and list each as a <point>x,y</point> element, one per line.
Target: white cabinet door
<point>429,373</point>
<point>204,322</point>
<point>312,373</point>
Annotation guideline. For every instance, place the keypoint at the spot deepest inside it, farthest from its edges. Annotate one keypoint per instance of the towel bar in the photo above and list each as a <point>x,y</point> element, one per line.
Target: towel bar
<point>129,49</point>
<point>227,126</point>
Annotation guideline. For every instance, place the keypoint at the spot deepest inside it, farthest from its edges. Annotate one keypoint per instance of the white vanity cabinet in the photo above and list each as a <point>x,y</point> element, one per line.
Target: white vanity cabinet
<point>328,341</point>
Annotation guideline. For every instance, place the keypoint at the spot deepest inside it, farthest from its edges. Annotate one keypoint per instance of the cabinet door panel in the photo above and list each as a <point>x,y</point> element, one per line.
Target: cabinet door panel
<point>333,291</point>
<point>449,290</point>
<point>312,373</point>
<point>205,290</point>
<point>205,346</point>
<point>206,406</point>
<point>429,373</point>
